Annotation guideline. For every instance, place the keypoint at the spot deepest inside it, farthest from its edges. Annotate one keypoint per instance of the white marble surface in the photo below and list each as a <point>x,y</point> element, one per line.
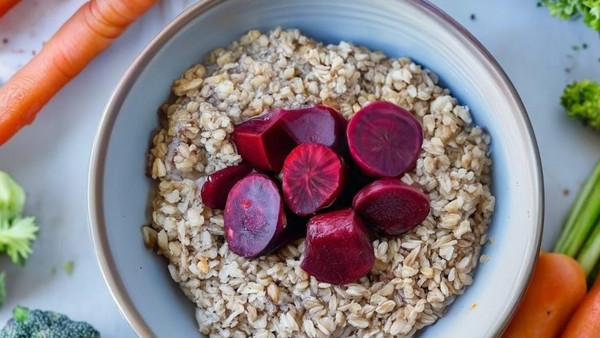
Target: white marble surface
<point>50,158</point>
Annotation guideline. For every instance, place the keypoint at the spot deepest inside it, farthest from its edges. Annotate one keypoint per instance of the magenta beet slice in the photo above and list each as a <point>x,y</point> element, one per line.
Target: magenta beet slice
<point>254,217</point>
<point>263,142</point>
<point>338,249</point>
<point>391,206</point>
<point>313,177</point>
<point>384,140</point>
<point>214,192</point>
<point>319,124</point>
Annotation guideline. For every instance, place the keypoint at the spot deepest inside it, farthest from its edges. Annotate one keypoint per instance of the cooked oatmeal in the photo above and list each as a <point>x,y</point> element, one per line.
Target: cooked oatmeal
<point>416,275</point>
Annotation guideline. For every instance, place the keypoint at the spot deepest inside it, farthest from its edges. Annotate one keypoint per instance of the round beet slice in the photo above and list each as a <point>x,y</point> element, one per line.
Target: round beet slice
<point>391,206</point>
<point>263,142</point>
<point>215,190</point>
<point>318,124</point>
<point>254,216</point>
<point>384,140</point>
<point>338,248</point>
<point>313,177</point>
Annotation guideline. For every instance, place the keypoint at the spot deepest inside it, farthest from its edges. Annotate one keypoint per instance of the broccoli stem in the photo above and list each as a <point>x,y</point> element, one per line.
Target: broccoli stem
<point>582,217</point>
<point>590,253</point>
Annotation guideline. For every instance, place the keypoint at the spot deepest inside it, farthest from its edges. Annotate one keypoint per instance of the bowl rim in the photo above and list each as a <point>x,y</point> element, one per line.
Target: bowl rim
<point>100,145</point>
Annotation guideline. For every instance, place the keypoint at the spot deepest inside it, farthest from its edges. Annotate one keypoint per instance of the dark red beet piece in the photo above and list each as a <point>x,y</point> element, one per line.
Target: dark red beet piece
<point>263,142</point>
<point>313,177</point>
<point>215,190</point>
<point>338,249</point>
<point>254,217</point>
<point>318,124</point>
<point>384,140</point>
<point>391,206</point>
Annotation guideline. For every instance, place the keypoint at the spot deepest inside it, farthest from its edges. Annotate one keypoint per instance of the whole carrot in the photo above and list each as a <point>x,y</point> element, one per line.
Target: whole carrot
<point>557,287</point>
<point>585,322</point>
<point>6,5</point>
<point>85,35</point>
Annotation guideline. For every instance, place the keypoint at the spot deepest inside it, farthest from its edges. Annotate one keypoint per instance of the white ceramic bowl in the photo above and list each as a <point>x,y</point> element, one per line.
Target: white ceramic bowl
<point>118,189</point>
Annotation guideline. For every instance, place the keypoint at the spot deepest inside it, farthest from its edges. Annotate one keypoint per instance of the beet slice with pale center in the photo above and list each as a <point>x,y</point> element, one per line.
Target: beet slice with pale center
<point>338,249</point>
<point>384,140</point>
<point>318,124</point>
<point>263,142</point>
<point>215,190</point>
<point>254,217</point>
<point>391,206</point>
<point>313,177</point>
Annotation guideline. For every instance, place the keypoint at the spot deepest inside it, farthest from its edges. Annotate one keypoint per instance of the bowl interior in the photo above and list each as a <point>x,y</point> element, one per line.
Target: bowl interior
<point>119,191</point>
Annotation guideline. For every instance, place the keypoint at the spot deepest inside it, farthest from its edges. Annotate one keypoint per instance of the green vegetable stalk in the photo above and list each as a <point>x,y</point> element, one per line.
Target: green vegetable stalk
<point>2,288</point>
<point>590,253</point>
<point>582,216</point>
<point>580,237</point>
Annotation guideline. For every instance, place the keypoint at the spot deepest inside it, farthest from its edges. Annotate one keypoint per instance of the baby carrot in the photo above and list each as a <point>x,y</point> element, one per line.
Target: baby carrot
<point>6,5</point>
<point>585,322</point>
<point>557,287</point>
<point>85,35</point>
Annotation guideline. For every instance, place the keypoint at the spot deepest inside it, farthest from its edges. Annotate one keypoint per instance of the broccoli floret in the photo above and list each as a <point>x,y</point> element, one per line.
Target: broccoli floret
<point>582,101</point>
<point>45,324</point>
<point>568,9</point>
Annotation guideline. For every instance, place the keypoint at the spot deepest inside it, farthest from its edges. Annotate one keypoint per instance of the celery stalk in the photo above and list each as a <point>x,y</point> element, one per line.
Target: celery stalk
<point>582,216</point>
<point>584,225</point>
<point>590,253</point>
<point>591,278</point>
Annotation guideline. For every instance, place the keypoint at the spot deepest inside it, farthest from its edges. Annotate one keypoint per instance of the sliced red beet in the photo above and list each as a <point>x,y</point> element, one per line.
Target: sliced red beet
<point>263,142</point>
<point>313,177</point>
<point>338,249</point>
<point>254,217</point>
<point>391,206</point>
<point>318,124</point>
<point>215,190</point>
<point>384,140</point>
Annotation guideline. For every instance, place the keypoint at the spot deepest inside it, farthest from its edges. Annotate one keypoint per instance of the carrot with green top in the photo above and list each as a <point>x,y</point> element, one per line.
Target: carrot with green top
<point>6,5</point>
<point>556,288</point>
<point>559,281</point>
<point>85,35</point>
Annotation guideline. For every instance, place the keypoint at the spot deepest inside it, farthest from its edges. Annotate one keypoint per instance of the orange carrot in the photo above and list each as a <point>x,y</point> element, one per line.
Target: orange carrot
<point>557,287</point>
<point>585,322</point>
<point>6,5</point>
<point>85,35</point>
